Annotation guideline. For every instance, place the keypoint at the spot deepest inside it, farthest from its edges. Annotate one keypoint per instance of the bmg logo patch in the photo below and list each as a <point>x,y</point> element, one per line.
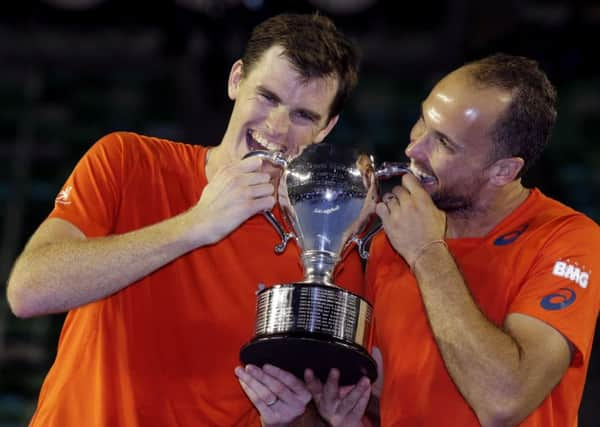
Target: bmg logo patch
<point>571,271</point>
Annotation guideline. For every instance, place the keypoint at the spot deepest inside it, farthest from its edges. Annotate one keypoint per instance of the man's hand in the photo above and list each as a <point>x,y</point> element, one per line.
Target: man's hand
<point>234,194</point>
<point>278,395</point>
<point>340,406</point>
<point>410,218</point>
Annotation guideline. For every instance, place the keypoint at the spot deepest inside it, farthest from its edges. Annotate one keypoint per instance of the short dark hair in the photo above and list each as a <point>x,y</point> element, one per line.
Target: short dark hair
<point>526,126</point>
<point>314,46</point>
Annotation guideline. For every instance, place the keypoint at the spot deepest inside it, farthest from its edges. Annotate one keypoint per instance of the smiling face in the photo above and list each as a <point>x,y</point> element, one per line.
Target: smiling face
<point>275,109</point>
<point>451,148</point>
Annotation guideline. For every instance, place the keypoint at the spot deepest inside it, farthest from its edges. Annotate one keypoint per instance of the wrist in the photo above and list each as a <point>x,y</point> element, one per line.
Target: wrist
<point>424,250</point>
<point>195,232</point>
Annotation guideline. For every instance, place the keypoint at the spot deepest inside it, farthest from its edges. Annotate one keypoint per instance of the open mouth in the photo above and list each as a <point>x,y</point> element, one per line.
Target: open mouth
<point>257,142</point>
<point>423,177</point>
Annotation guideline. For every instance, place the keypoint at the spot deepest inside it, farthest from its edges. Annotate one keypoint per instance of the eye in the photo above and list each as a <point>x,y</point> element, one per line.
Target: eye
<point>267,96</point>
<point>443,140</point>
<point>306,116</point>
<point>445,143</point>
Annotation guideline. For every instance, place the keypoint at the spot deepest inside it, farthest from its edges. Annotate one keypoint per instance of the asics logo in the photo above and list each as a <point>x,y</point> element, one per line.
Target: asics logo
<point>508,238</point>
<point>563,298</point>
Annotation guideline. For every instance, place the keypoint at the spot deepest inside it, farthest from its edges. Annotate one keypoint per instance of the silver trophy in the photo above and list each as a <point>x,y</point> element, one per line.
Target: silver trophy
<point>328,197</point>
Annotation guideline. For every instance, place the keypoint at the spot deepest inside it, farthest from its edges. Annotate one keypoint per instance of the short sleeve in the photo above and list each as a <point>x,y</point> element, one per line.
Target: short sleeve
<point>90,197</point>
<point>563,287</point>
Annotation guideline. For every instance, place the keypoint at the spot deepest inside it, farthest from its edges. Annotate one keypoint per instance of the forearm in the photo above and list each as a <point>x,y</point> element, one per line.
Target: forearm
<point>65,274</point>
<point>483,361</point>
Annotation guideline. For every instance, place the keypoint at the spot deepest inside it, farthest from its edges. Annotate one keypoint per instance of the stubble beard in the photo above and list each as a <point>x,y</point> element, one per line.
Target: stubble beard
<point>459,201</point>
<point>451,204</point>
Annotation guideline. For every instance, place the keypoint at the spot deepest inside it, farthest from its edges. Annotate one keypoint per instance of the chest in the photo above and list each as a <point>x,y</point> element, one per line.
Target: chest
<point>493,274</point>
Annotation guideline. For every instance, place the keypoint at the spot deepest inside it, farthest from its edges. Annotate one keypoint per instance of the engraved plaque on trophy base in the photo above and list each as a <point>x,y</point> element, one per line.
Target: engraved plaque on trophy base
<point>311,325</point>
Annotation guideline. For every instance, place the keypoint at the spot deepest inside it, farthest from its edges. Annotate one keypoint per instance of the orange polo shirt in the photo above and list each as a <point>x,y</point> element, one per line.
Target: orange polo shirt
<point>542,260</point>
<point>161,352</point>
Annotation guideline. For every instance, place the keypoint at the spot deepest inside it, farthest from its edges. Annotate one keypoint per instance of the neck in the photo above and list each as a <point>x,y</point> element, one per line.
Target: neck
<point>481,220</point>
<point>214,161</point>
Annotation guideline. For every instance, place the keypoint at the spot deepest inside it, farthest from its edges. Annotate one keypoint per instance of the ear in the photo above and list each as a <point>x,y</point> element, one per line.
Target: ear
<point>235,78</point>
<point>325,131</point>
<point>504,171</point>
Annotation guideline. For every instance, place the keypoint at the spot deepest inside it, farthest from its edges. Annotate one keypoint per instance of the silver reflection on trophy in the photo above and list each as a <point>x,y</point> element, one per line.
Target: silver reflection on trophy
<point>322,205</point>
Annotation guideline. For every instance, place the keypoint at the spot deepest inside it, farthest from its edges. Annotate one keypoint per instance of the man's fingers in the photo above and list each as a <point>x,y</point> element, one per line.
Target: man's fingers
<point>355,396</point>
<point>253,386</point>
<point>255,178</point>
<point>412,184</point>
<point>345,390</point>
<point>331,389</point>
<point>389,198</point>
<point>382,211</point>
<point>401,193</point>
<point>261,190</point>
<point>250,164</point>
<point>313,384</point>
<point>261,204</point>
<point>358,409</point>
<point>286,385</point>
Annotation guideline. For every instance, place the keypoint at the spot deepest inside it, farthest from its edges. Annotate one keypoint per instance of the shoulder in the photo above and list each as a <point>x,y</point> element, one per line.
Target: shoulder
<point>144,149</point>
<point>135,141</point>
<point>563,241</point>
<point>555,218</point>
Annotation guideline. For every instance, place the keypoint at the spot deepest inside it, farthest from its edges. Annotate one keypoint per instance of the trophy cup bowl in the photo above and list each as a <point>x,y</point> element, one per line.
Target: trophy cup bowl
<point>327,196</point>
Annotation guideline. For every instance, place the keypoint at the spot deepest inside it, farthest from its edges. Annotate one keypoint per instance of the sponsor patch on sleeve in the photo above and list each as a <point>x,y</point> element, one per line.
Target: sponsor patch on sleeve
<point>572,271</point>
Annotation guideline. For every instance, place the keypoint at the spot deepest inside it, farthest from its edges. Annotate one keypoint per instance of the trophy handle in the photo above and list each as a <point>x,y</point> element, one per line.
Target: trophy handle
<point>386,171</point>
<point>361,243</point>
<point>391,169</point>
<point>278,159</point>
<point>285,237</point>
<point>275,157</point>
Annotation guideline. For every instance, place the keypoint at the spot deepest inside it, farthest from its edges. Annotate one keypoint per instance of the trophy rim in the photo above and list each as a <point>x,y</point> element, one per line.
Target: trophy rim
<point>313,285</point>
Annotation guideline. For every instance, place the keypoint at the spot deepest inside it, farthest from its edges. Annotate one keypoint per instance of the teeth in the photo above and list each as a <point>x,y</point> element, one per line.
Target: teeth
<point>422,175</point>
<point>270,146</point>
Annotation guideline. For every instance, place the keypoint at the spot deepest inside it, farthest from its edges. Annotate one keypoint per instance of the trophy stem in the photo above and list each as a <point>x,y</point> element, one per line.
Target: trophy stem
<point>318,266</point>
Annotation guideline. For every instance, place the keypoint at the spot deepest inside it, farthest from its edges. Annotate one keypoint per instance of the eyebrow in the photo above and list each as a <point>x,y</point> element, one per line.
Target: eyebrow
<point>313,114</point>
<point>265,90</point>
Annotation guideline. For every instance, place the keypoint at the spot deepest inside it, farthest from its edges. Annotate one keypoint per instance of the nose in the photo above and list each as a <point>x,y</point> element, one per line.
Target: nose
<point>278,120</point>
<point>416,146</point>
<point>412,148</point>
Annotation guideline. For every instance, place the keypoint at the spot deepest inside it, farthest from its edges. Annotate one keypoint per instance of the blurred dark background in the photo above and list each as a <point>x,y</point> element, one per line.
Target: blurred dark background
<point>74,70</point>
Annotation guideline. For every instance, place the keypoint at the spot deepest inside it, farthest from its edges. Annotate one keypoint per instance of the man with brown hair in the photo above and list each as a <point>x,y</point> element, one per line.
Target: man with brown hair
<point>156,249</point>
